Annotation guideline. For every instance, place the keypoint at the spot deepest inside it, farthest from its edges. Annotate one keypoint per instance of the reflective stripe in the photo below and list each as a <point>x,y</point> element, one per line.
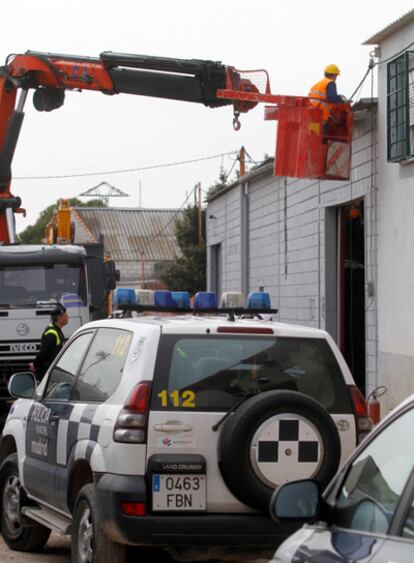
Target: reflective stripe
<point>316,93</point>
<point>52,330</point>
<point>318,103</point>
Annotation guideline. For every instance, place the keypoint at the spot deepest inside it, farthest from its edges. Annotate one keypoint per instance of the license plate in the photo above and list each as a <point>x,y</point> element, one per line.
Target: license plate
<point>178,492</point>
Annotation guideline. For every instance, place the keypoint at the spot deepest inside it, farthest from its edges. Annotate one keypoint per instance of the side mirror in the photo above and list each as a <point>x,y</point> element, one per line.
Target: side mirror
<point>298,500</point>
<point>22,385</point>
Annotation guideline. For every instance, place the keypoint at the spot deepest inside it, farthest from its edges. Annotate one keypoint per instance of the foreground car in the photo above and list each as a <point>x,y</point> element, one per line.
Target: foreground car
<point>367,512</point>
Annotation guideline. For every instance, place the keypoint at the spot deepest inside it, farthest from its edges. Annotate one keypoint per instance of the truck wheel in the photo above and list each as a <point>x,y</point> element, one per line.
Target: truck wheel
<point>89,543</point>
<point>13,497</point>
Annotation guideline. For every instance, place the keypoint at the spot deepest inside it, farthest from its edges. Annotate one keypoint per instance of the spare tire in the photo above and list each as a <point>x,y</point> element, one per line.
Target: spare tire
<point>276,437</point>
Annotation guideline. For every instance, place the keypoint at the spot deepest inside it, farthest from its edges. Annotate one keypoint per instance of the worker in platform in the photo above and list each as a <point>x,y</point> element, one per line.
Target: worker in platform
<point>323,94</point>
<point>51,343</point>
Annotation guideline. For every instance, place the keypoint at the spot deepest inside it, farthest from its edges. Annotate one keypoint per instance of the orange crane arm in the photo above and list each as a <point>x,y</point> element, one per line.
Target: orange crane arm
<point>49,75</point>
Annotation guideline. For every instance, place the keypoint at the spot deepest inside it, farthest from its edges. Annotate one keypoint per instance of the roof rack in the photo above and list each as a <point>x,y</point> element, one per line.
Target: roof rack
<point>127,311</point>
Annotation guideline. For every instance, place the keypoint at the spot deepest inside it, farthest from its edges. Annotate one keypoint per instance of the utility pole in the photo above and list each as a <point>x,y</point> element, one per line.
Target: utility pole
<point>200,217</point>
<point>142,254</point>
<point>242,162</point>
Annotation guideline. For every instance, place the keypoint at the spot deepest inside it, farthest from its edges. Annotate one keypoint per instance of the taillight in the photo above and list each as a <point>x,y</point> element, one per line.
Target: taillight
<point>139,398</point>
<point>133,508</point>
<point>132,421</point>
<point>363,421</point>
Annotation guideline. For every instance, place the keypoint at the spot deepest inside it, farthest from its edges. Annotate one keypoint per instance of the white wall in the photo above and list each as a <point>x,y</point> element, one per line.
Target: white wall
<point>224,228</point>
<point>286,234</point>
<point>395,249</point>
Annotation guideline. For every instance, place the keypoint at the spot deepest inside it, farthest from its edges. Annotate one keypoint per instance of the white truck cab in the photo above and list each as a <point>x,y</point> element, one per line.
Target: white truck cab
<point>33,278</point>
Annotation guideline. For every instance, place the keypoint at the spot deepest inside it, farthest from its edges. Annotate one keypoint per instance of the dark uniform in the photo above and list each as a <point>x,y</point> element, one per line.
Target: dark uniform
<point>50,345</point>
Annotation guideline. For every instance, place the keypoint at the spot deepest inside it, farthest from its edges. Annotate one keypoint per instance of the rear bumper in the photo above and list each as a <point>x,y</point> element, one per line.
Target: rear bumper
<point>206,529</point>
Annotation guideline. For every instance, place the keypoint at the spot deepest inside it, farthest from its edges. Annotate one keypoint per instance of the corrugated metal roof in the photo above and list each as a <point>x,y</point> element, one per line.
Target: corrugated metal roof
<point>391,28</point>
<point>128,231</point>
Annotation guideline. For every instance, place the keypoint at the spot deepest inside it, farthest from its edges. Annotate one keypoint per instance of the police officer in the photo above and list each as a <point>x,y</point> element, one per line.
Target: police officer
<point>51,342</point>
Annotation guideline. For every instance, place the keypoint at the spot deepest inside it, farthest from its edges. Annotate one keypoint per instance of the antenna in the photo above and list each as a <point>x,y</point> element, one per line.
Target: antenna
<point>104,191</point>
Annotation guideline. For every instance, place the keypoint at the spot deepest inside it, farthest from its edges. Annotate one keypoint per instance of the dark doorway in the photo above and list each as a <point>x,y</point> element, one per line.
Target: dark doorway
<point>352,289</point>
<point>215,268</point>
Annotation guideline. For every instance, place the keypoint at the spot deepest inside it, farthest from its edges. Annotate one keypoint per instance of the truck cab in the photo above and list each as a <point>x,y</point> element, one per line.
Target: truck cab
<point>33,278</point>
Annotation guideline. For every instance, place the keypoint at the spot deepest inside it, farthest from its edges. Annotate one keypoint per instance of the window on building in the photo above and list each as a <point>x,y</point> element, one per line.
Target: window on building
<point>400,108</point>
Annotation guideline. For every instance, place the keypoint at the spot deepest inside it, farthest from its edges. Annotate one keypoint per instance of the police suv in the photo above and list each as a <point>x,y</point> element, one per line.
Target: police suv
<point>172,429</point>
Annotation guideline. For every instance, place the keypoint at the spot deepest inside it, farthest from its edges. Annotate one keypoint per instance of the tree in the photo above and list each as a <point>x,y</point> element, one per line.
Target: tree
<point>220,184</point>
<point>188,271</point>
<point>34,234</point>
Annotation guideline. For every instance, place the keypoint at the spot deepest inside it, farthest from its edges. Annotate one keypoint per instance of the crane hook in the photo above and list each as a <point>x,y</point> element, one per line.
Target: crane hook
<point>236,122</point>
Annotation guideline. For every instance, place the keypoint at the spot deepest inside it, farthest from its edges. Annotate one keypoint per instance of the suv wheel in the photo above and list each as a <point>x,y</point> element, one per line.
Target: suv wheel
<point>89,543</point>
<point>17,536</point>
<point>273,438</point>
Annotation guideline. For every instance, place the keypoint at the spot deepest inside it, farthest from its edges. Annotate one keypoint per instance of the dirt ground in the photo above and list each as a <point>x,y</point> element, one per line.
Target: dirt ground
<point>57,550</point>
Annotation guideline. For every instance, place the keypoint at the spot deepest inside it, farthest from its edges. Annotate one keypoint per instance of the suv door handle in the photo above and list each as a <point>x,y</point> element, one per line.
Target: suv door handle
<point>54,418</point>
<point>172,426</point>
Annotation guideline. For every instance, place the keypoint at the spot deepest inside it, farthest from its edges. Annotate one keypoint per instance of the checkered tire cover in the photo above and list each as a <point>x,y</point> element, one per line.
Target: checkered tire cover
<point>286,447</point>
<point>273,437</point>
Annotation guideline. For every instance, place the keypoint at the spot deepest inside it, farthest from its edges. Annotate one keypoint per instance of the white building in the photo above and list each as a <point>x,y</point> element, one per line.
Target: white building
<point>395,50</point>
<point>333,254</point>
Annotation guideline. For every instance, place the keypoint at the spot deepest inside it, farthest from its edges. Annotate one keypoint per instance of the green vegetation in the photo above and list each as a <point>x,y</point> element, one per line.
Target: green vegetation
<point>188,271</point>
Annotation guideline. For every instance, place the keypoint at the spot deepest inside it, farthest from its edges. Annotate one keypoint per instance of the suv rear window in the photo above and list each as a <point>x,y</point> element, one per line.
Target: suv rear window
<point>210,373</point>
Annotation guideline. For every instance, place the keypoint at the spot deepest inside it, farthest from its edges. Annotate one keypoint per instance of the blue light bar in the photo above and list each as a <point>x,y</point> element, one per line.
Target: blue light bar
<point>123,296</point>
<point>258,300</point>
<point>181,299</point>
<point>163,298</point>
<point>205,300</point>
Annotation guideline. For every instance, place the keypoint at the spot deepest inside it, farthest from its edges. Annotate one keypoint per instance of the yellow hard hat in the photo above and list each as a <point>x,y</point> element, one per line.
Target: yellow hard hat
<point>332,69</point>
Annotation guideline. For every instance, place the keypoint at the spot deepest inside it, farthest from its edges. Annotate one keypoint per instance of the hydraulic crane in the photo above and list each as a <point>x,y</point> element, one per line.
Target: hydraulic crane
<point>49,75</point>
<point>303,148</point>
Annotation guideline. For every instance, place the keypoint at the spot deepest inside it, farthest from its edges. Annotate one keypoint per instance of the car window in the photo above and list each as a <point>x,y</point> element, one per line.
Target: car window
<point>61,380</point>
<point>376,479</point>
<point>211,372</point>
<point>102,368</point>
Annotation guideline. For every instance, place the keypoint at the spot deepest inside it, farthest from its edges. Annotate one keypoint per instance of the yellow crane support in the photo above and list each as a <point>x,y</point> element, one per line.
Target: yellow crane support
<point>60,230</point>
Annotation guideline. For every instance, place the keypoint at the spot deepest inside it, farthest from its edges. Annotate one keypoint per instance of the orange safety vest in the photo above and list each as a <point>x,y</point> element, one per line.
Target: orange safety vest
<point>318,91</point>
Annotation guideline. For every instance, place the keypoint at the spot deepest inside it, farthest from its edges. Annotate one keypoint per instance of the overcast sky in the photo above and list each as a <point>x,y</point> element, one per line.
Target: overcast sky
<point>293,41</point>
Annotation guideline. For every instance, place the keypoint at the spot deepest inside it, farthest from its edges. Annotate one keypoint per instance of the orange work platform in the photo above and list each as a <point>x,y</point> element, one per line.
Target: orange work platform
<point>306,147</point>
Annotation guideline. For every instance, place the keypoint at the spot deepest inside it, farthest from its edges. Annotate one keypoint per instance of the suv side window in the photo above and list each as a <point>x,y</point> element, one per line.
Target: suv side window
<point>61,380</point>
<point>376,479</point>
<point>102,368</point>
